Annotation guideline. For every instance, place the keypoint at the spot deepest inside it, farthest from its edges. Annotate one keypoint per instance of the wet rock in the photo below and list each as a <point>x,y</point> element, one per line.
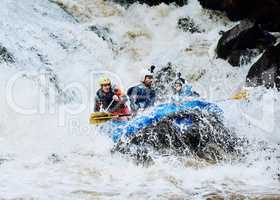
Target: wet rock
<point>212,4</point>
<point>235,9</point>
<point>5,158</point>
<point>64,44</point>
<point>5,55</point>
<point>243,57</point>
<point>265,13</point>
<point>266,71</point>
<point>245,39</point>
<point>51,81</point>
<point>187,25</point>
<point>102,32</point>
<point>44,59</point>
<point>50,85</point>
<point>105,34</point>
<point>65,8</point>
<point>54,158</point>
<point>206,137</point>
<point>152,2</point>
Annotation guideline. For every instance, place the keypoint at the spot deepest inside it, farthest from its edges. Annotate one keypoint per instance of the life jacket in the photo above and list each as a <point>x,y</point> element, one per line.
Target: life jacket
<point>104,99</point>
<point>122,111</point>
<point>123,108</point>
<point>186,91</point>
<point>116,108</point>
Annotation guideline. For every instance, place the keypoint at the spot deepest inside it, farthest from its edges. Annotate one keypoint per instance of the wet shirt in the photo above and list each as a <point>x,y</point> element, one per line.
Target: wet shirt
<point>103,100</point>
<point>186,91</point>
<point>141,97</point>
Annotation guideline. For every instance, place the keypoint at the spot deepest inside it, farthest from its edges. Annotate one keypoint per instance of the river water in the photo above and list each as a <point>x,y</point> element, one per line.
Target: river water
<point>49,151</point>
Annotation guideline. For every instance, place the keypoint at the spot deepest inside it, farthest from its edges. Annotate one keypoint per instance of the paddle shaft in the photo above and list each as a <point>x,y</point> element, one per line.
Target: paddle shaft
<point>111,117</point>
<point>109,105</point>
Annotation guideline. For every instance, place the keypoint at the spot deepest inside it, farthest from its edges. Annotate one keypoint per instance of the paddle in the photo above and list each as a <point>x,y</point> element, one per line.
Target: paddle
<point>97,118</point>
<point>242,94</point>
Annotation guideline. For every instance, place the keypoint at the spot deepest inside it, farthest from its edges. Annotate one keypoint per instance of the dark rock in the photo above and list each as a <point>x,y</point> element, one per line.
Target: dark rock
<point>207,138</point>
<point>247,56</point>
<point>266,71</point>
<point>5,55</point>
<point>235,9</point>
<point>266,13</point>
<point>44,59</point>
<point>213,4</point>
<point>65,9</point>
<point>41,56</point>
<point>187,25</point>
<point>221,32</point>
<point>105,33</point>
<point>54,158</point>
<point>245,39</point>
<point>49,84</point>
<point>102,32</point>
<point>243,57</point>
<point>151,2</point>
<point>3,160</point>
<point>65,45</point>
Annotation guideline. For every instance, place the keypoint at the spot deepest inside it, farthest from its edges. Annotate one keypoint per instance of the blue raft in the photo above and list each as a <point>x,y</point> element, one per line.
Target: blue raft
<point>159,112</point>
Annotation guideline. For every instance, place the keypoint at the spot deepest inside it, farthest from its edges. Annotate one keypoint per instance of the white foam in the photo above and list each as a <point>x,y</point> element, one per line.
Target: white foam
<point>41,36</point>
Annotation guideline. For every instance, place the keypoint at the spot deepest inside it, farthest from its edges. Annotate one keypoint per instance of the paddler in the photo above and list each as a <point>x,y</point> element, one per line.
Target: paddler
<point>143,95</point>
<point>110,98</point>
<point>182,91</point>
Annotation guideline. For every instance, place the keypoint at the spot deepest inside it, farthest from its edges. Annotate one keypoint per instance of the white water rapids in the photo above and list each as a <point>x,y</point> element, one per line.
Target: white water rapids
<point>49,151</point>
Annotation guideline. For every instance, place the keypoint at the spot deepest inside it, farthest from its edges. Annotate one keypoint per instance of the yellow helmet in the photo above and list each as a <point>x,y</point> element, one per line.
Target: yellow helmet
<point>104,81</point>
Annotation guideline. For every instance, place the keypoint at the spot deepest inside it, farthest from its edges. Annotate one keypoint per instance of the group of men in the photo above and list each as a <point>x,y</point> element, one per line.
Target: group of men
<point>110,98</point>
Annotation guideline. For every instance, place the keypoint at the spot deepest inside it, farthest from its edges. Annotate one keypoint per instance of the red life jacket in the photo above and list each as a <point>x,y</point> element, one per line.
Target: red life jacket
<point>123,109</point>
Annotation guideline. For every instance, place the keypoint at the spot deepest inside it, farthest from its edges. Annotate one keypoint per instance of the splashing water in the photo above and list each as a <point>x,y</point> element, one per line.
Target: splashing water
<point>49,151</point>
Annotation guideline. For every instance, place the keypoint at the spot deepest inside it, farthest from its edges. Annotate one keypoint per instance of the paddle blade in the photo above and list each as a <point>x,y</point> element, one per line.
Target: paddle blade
<point>243,94</point>
<point>97,118</point>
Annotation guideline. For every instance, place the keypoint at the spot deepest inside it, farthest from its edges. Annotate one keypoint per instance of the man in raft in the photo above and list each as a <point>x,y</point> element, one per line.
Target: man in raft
<point>143,95</point>
<point>182,91</point>
<point>110,99</point>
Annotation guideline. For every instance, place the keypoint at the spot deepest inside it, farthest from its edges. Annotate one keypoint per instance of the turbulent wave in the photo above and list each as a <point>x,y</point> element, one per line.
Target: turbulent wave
<point>59,48</point>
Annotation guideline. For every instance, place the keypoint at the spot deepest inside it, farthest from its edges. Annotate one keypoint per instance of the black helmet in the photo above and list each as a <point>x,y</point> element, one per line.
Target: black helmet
<point>180,80</point>
<point>151,72</point>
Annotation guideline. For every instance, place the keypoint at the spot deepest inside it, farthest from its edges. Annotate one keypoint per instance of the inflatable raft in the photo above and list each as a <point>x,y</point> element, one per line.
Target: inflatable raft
<point>132,127</point>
